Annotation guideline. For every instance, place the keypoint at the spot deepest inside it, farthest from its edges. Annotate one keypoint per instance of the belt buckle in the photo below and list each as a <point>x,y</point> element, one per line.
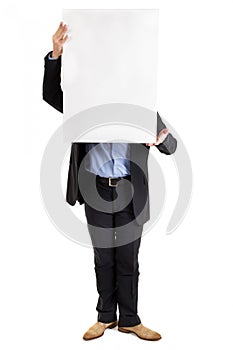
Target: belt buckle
<point>110,182</point>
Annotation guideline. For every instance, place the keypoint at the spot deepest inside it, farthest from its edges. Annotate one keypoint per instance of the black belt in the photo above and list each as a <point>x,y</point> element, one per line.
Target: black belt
<point>111,181</point>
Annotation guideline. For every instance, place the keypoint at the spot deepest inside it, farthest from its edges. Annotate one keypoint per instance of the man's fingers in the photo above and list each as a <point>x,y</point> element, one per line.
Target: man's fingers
<point>60,36</point>
<point>164,131</point>
<point>64,39</point>
<point>60,32</point>
<point>63,31</point>
<point>59,29</point>
<point>162,136</point>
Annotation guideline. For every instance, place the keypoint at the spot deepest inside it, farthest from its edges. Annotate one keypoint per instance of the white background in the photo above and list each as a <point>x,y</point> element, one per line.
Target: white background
<point>48,295</point>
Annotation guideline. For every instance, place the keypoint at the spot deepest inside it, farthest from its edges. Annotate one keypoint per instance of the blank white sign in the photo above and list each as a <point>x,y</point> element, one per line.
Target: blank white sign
<point>111,57</point>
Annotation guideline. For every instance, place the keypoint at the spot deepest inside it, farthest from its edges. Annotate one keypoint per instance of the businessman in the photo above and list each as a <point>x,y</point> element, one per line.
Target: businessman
<point>116,267</point>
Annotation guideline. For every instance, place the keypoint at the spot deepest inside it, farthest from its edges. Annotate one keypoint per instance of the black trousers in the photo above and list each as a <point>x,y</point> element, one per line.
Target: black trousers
<point>116,266</point>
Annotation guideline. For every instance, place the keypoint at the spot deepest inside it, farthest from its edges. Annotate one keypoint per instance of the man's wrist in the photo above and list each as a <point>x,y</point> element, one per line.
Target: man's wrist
<point>55,55</point>
<point>52,57</point>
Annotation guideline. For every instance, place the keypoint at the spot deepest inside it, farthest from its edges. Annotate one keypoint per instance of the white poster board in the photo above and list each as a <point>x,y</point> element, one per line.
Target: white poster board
<point>111,58</point>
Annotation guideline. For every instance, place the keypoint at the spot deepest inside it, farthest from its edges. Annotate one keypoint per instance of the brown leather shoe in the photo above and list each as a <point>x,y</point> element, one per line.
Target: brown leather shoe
<point>97,330</point>
<point>141,331</point>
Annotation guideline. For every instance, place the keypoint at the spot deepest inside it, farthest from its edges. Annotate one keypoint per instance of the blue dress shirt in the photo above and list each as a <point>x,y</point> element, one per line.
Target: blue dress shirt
<point>108,159</point>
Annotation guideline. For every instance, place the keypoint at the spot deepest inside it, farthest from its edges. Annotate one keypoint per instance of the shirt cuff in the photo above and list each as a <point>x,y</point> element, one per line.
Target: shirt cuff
<point>51,58</point>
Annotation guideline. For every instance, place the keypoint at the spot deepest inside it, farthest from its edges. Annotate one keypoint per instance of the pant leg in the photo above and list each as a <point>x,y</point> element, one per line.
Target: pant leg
<point>106,284</point>
<point>127,266</point>
<point>127,273</point>
<point>104,258</point>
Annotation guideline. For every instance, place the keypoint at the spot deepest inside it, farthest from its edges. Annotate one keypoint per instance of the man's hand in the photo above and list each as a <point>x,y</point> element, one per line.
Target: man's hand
<point>59,38</point>
<point>160,138</point>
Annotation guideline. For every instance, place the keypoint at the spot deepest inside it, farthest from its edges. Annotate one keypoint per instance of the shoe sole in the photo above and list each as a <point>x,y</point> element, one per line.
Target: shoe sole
<point>113,325</point>
<point>123,330</point>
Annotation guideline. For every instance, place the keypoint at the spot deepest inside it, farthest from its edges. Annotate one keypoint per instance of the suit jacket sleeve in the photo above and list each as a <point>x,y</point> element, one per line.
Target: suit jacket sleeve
<point>52,92</point>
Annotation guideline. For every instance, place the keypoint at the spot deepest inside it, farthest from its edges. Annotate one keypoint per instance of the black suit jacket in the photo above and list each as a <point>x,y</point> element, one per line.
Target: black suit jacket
<point>52,94</point>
